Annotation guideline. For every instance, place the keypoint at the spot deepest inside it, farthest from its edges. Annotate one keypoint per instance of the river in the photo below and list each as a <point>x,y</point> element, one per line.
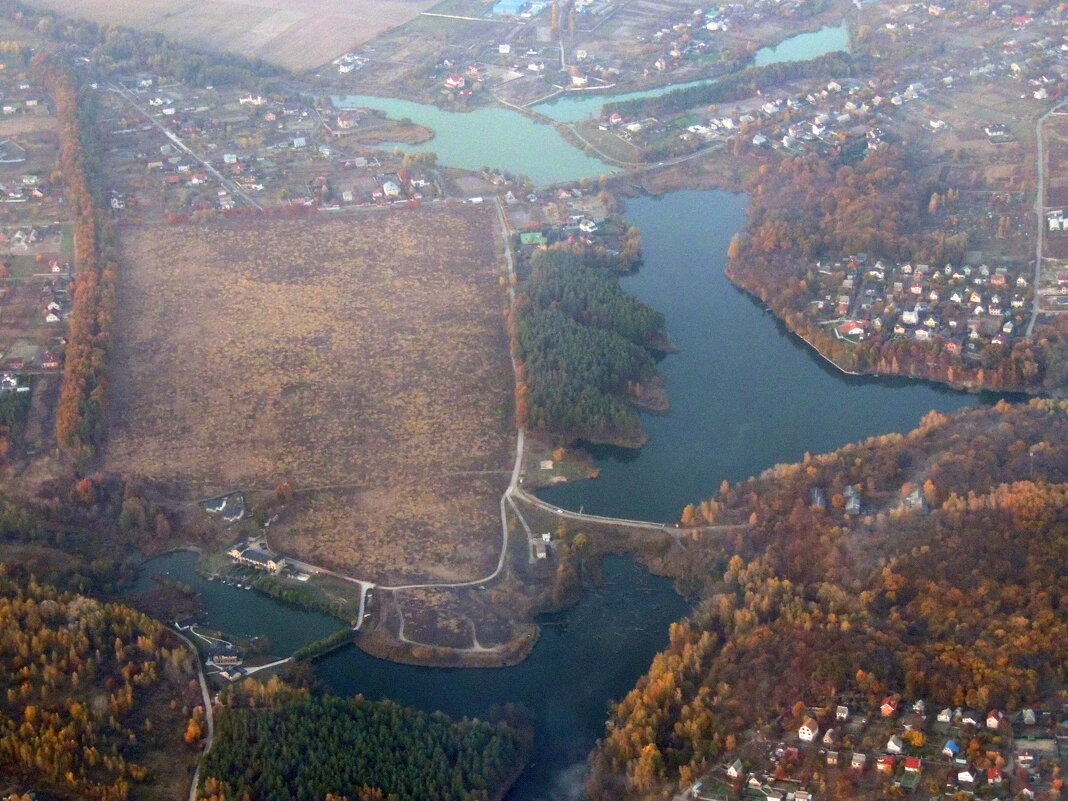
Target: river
<point>585,657</point>
<point>578,106</point>
<point>745,394</point>
<point>510,141</point>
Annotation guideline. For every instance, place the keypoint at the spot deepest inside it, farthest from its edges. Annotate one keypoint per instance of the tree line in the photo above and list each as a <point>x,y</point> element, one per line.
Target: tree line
<point>948,585</point>
<point>79,414</point>
<point>737,86</point>
<point>290,745</point>
<point>323,645</point>
<point>563,279</point>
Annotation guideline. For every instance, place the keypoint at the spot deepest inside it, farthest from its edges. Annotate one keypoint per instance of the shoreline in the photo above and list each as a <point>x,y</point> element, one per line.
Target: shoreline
<point>956,386</point>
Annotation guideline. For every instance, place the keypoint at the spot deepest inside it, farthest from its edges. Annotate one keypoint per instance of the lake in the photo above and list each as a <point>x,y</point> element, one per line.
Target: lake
<point>245,613</point>
<point>500,138</point>
<point>745,393</point>
<point>585,657</point>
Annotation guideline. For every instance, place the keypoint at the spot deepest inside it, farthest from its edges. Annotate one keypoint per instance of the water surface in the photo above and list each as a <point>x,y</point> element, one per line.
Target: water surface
<point>500,138</point>
<point>745,393</point>
<point>578,106</point>
<point>245,613</point>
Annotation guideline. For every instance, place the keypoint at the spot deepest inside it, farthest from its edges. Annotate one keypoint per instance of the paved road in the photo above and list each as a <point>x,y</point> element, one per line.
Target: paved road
<point>223,180</point>
<point>471,19</point>
<point>514,491</point>
<point>365,586</point>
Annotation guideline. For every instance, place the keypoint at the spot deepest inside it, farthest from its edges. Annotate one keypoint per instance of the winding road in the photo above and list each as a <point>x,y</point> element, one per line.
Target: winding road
<point>208,714</point>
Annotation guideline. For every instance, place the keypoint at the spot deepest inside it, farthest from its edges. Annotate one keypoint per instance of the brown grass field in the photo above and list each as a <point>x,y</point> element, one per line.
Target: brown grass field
<point>361,357</point>
<point>297,34</point>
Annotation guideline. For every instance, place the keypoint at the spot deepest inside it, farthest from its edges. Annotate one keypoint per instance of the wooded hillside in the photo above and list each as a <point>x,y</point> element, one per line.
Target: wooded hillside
<point>947,583</point>
<point>97,696</point>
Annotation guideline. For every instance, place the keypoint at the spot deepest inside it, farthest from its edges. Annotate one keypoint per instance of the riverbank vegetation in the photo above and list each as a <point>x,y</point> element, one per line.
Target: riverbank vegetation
<point>322,646</point>
<point>306,748</point>
<point>312,597</point>
<point>97,696</point>
<point>584,348</point>
<point>928,564</point>
<point>749,82</point>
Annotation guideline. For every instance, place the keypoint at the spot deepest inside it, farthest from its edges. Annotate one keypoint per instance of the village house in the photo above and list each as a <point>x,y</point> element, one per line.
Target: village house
<point>224,656</point>
<point>257,558</point>
<point>808,731</point>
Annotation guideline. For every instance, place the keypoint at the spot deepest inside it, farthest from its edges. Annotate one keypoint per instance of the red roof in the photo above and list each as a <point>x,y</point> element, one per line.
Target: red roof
<point>912,763</point>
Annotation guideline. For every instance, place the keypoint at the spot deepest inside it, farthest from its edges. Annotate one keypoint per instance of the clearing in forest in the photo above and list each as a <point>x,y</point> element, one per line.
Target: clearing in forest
<point>362,358</point>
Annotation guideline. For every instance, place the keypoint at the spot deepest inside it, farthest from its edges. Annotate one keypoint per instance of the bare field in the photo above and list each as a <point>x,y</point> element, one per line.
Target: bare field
<point>297,34</point>
<point>363,358</point>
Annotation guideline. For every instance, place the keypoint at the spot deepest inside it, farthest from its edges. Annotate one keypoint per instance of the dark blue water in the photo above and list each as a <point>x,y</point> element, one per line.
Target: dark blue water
<point>585,657</point>
<point>745,393</point>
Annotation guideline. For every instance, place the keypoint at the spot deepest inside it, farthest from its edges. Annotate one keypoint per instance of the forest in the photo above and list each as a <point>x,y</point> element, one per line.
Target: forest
<point>736,86</point>
<point>583,348</point>
<point>946,584</point>
<point>563,278</point>
<point>96,697</point>
<point>285,744</point>
<point>814,207</point>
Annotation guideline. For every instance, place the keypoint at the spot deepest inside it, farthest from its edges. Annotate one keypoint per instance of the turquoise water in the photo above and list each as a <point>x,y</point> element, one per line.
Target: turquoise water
<point>579,106</point>
<point>244,613</point>
<point>507,140</point>
<point>804,46</point>
<point>500,138</point>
